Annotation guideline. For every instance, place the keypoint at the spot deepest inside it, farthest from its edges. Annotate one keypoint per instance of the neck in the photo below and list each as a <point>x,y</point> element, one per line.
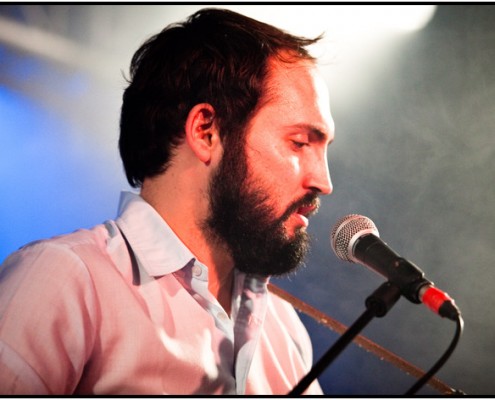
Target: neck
<point>185,216</point>
<point>220,284</point>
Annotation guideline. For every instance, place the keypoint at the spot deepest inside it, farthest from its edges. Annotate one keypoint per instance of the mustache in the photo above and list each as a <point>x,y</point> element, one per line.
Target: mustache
<point>308,200</point>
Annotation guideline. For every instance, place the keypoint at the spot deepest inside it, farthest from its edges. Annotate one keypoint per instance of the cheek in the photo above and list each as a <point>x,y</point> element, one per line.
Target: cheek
<point>283,164</point>
<point>276,170</point>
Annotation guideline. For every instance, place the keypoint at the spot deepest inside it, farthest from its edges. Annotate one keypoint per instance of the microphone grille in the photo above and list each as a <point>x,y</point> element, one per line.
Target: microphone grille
<point>346,231</point>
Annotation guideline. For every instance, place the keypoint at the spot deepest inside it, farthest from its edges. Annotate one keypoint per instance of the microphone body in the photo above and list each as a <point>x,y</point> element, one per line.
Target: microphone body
<point>372,252</point>
<point>356,239</point>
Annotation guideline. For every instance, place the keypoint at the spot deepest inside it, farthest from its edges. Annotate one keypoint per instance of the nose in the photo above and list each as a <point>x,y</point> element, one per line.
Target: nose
<point>318,177</point>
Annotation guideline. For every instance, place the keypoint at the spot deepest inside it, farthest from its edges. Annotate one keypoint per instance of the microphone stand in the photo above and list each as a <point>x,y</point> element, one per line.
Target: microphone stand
<point>377,305</point>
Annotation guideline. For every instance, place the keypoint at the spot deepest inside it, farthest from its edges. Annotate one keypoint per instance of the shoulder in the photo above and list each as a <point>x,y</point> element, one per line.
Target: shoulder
<point>66,246</point>
<point>54,262</point>
<point>95,238</point>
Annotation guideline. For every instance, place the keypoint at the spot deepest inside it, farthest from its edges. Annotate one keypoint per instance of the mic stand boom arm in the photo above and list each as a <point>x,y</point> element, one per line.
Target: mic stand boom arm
<point>377,305</point>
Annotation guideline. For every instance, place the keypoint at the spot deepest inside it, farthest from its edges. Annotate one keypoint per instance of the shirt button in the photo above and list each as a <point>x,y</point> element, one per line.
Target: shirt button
<point>222,316</point>
<point>196,271</point>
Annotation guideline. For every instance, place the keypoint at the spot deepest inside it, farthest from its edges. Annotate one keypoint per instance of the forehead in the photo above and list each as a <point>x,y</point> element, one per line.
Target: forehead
<point>295,95</point>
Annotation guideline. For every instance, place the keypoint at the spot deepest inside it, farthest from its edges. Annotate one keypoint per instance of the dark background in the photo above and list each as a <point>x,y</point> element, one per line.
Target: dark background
<point>414,115</point>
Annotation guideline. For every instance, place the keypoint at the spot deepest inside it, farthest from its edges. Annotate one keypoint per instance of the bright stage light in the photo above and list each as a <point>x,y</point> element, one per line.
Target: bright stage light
<point>342,20</point>
<point>405,18</point>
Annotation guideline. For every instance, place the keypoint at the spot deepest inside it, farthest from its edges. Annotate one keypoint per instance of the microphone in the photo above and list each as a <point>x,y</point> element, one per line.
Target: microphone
<point>355,238</point>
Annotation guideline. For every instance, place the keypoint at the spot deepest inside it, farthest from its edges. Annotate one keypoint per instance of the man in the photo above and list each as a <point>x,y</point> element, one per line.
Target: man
<point>224,128</point>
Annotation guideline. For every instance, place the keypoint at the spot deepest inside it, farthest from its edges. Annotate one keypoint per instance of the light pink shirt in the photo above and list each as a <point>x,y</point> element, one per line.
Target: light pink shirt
<point>79,315</point>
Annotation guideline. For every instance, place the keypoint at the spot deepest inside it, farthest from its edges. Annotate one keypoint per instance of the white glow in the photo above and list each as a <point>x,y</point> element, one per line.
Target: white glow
<point>342,20</point>
<point>385,18</point>
<point>406,17</point>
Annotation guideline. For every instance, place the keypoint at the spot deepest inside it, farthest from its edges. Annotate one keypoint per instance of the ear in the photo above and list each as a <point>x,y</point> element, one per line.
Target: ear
<point>202,132</point>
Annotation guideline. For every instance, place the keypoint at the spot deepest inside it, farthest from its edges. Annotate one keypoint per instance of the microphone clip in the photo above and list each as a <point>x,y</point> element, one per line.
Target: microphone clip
<point>383,299</point>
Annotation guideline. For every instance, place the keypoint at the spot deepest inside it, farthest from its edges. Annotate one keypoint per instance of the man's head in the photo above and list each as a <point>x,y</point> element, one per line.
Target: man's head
<point>259,86</point>
<point>217,57</point>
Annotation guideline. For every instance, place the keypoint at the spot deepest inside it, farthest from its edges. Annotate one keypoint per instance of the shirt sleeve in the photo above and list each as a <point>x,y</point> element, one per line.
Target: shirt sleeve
<point>47,320</point>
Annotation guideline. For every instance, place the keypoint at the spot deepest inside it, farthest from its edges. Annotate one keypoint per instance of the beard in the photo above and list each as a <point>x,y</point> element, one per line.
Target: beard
<point>242,219</point>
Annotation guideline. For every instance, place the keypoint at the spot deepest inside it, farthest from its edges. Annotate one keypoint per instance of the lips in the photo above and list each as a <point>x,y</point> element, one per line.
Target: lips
<point>302,209</point>
<point>303,213</point>
<point>307,210</point>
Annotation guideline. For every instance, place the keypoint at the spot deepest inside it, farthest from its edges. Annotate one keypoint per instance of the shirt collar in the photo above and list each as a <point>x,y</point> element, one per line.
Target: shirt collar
<point>155,245</point>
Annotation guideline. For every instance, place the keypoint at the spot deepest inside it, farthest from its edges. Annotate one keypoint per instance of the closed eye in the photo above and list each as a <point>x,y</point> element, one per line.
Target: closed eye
<point>299,145</point>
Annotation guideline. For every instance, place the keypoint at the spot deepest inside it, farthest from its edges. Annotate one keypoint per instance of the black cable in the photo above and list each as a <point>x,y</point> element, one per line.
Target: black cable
<point>426,377</point>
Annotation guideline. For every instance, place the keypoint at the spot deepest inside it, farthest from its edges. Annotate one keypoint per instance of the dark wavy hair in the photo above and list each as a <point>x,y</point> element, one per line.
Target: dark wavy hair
<point>216,56</point>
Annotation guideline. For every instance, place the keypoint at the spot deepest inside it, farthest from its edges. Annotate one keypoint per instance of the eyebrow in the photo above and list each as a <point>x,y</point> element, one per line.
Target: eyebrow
<point>313,129</point>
